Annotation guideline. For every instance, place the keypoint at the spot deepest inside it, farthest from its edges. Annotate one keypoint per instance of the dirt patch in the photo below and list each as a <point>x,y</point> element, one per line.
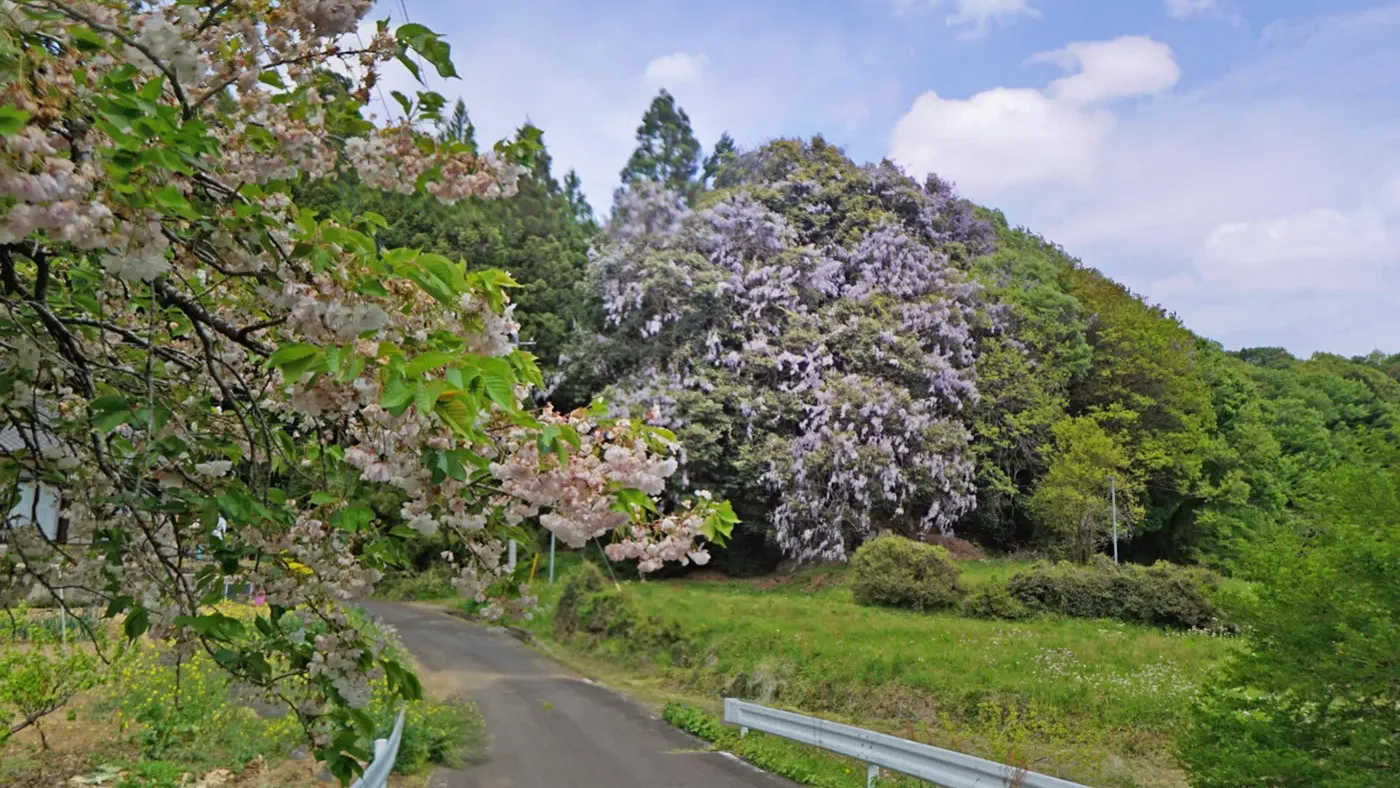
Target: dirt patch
<point>707,576</point>
<point>961,549</point>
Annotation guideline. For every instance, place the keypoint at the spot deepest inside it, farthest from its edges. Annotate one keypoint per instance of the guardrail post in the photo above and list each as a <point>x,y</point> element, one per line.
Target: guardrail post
<point>871,772</point>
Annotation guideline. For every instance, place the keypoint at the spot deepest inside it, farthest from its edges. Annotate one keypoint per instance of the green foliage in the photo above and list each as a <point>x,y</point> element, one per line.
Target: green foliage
<point>39,680</point>
<point>20,625</point>
<point>693,721</point>
<point>458,126</point>
<point>434,734</point>
<point>1074,500</point>
<point>1163,594</point>
<point>569,615</point>
<point>667,151</point>
<point>1316,700</point>
<point>434,582</point>
<point>899,572</point>
<point>1023,375</point>
<point>993,600</point>
<point>722,156</point>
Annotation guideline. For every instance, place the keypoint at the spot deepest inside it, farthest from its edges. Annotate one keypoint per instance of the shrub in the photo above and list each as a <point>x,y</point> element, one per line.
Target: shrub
<point>994,601</point>
<point>1162,594</point>
<point>586,581</point>
<point>898,572</point>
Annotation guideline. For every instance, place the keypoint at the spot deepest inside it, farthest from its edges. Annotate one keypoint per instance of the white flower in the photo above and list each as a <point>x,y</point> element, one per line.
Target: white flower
<point>213,468</point>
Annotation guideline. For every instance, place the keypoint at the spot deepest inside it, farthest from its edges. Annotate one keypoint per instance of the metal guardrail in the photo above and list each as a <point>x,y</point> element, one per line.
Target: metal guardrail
<point>385,752</point>
<point>941,767</point>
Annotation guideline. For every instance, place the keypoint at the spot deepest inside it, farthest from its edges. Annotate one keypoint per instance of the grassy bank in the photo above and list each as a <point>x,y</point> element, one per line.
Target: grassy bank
<point>1093,701</point>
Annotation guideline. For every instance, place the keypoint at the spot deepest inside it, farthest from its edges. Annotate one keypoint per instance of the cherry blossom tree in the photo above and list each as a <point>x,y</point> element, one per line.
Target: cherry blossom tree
<point>224,386</point>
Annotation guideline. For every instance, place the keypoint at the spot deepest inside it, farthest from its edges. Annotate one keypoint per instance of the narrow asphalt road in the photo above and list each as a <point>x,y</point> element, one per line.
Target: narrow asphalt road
<point>550,729</point>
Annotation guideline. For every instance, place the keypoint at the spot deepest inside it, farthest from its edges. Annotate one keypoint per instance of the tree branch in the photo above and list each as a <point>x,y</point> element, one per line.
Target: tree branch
<point>169,295</point>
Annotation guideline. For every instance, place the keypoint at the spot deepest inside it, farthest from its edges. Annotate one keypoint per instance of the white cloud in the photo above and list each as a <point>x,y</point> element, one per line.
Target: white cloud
<point>999,139</point>
<point>979,14</point>
<point>1008,138</point>
<point>1108,70</point>
<point>1319,250</point>
<point>1262,206</point>
<point>675,70</point>
<point>1185,9</point>
<point>975,15</point>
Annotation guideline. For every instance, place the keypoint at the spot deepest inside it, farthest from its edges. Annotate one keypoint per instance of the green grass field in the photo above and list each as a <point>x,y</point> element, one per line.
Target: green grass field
<point>1095,701</point>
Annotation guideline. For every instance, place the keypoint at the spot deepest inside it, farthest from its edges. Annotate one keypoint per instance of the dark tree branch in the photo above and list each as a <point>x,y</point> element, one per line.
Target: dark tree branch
<point>169,295</point>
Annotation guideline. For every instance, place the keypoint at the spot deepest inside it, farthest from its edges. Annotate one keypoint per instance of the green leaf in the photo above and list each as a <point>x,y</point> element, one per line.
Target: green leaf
<point>12,120</point>
<point>427,395</point>
<point>86,39</point>
<point>153,88</point>
<point>322,497</point>
<point>498,382</point>
<point>352,518</point>
<point>426,43</point>
<point>403,101</point>
<point>397,394</point>
<point>110,411</point>
<point>411,66</point>
<point>458,416</point>
<point>271,77</point>
<point>215,626</point>
<point>427,361</point>
<point>289,353</point>
<point>137,622</point>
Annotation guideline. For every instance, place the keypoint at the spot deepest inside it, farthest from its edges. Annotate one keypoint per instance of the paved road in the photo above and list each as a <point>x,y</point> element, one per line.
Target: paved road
<point>550,729</point>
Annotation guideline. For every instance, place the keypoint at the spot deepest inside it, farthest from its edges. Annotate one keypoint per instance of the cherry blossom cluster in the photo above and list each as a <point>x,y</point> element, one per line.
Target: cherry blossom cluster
<point>394,161</point>
<point>672,538</point>
<point>570,497</point>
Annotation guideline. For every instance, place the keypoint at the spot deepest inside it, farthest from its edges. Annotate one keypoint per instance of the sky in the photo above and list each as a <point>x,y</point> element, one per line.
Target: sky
<point>1236,161</point>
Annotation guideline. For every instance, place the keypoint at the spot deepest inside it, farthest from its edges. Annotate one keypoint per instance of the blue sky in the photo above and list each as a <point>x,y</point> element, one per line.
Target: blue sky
<point>1237,161</point>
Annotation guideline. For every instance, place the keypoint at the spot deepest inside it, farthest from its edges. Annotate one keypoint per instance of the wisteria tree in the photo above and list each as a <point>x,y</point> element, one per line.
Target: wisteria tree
<point>221,385</point>
<point>811,333</point>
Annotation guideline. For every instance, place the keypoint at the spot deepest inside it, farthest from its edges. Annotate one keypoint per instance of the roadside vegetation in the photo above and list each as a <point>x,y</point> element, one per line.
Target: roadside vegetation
<point>153,717</point>
<point>1093,700</point>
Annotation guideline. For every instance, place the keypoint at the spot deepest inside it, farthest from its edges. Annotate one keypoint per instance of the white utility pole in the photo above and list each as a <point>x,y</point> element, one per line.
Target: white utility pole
<point>1113,502</point>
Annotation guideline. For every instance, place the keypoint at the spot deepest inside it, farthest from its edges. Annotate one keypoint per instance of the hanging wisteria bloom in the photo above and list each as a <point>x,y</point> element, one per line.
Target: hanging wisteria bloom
<point>812,336</point>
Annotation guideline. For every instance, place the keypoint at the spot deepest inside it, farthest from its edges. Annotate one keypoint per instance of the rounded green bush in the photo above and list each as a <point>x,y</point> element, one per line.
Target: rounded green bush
<point>899,572</point>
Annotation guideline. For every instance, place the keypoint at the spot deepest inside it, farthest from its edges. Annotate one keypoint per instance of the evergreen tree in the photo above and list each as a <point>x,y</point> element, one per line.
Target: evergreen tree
<point>667,151</point>
<point>724,151</point>
<point>573,194</point>
<point>458,127</point>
